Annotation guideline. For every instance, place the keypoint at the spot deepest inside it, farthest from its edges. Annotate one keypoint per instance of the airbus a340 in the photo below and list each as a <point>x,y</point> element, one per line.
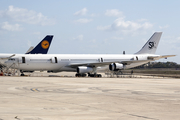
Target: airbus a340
<point>89,64</point>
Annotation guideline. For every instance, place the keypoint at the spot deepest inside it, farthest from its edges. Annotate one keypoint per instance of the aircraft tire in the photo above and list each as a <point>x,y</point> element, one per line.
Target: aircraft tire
<point>22,74</point>
<point>94,75</point>
<point>99,75</point>
<point>80,75</point>
<point>77,75</point>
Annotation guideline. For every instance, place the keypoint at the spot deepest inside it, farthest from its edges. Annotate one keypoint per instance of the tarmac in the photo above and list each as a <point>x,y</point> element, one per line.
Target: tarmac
<point>70,98</point>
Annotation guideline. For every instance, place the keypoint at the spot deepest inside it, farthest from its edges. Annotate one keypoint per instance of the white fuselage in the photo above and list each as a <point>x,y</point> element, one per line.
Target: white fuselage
<point>61,62</point>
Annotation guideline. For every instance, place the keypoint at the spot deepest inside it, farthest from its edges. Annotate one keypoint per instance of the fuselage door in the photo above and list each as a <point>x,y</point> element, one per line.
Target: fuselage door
<point>101,59</point>
<point>22,60</point>
<point>54,60</point>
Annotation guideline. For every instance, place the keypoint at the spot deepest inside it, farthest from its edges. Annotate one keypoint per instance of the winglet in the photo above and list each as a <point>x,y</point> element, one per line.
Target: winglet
<point>43,46</point>
<point>151,45</point>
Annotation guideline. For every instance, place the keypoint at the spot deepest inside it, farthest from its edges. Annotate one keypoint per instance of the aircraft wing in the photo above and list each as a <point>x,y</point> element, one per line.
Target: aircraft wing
<point>136,61</point>
<point>97,64</point>
<point>7,57</point>
<point>159,57</point>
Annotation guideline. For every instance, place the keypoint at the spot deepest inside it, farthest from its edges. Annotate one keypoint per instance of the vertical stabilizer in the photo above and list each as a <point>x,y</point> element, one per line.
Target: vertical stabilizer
<point>43,46</point>
<point>151,45</point>
<point>30,49</point>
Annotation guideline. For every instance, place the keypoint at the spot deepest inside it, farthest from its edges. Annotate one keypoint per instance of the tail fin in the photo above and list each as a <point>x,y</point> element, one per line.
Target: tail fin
<point>43,46</point>
<point>30,49</point>
<point>151,45</point>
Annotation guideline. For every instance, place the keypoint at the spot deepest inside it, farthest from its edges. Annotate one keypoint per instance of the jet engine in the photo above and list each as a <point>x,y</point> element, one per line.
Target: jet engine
<point>116,66</point>
<point>84,69</point>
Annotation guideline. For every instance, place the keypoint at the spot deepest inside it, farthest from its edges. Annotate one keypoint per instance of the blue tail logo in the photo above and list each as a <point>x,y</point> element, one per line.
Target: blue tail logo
<point>43,46</point>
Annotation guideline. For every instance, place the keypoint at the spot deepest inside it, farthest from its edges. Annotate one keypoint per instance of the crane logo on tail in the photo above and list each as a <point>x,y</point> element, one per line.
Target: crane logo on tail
<point>151,45</point>
<point>45,44</point>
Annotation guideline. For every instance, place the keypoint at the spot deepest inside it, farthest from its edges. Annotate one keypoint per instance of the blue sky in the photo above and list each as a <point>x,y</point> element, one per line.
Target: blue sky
<point>90,27</point>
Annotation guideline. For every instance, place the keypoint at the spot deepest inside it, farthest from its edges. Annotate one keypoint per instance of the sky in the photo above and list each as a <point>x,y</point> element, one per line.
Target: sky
<point>90,27</point>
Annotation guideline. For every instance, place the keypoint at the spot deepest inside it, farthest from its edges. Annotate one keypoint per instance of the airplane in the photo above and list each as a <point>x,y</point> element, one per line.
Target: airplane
<point>41,48</point>
<point>89,64</point>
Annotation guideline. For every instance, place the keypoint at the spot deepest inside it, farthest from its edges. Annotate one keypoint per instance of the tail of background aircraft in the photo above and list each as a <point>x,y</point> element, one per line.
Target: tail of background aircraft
<point>151,45</point>
<point>42,47</point>
<point>30,49</point>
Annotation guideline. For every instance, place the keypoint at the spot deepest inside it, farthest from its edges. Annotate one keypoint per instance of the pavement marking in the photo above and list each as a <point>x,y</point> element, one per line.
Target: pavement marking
<point>34,90</point>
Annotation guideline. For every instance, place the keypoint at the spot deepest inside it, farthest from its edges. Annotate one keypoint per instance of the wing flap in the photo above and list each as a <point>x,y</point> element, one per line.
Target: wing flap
<point>159,57</point>
<point>135,61</point>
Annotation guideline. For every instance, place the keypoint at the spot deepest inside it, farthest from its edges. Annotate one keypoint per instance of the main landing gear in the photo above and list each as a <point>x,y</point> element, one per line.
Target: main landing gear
<point>94,75</point>
<point>80,75</point>
<point>89,75</point>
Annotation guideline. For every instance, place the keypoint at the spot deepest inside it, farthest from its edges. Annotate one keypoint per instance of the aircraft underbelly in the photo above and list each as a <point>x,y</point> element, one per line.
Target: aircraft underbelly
<point>39,66</point>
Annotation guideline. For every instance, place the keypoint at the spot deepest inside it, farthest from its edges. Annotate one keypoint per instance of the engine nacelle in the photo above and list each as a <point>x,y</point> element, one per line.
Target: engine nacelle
<point>84,69</point>
<point>116,66</point>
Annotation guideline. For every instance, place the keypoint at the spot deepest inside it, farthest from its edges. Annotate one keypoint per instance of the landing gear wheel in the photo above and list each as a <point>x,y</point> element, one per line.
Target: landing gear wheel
<point>80,75</point>
<point>99,75</point>
<point>83,75</point>
<point>77,75</point>
<point>22,74</point>
<point>94,75</point>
